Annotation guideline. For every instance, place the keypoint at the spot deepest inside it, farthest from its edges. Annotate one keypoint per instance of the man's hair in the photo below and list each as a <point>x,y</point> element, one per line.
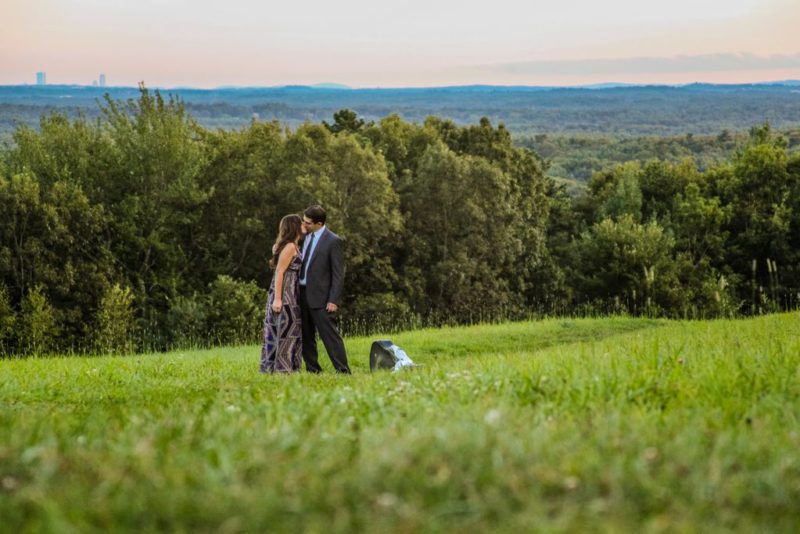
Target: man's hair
<point>316,213</point>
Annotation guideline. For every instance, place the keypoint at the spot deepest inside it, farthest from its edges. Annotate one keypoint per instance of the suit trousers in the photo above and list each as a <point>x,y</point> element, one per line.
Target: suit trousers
<point>319,320</point>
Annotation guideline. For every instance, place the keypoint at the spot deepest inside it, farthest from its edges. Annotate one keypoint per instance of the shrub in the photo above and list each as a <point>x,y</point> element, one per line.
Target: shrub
<point>38,324</point>
<point>629,261</point>
<point>235,310</point>
<point>115,321</point>
<point>7,320</point>
<point>187,321</point>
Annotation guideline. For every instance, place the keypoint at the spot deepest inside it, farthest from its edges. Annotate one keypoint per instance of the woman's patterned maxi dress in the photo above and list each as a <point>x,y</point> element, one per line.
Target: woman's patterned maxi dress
<point>281,352</point>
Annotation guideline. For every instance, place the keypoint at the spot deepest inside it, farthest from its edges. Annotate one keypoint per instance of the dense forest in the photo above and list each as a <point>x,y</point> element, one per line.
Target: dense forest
<point>139,228</point>
<point>699,109</point>
<point>578,131</point>
<point>575,158</point>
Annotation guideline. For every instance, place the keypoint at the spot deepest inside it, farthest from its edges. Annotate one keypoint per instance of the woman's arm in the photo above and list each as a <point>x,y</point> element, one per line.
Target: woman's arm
<point>287,255</point>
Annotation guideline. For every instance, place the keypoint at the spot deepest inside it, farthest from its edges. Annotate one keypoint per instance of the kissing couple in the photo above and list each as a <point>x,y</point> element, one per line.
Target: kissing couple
<point>304,296</point>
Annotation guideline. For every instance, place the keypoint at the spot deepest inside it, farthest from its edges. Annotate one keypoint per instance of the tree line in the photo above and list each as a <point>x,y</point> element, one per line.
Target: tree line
<point>142,230</point>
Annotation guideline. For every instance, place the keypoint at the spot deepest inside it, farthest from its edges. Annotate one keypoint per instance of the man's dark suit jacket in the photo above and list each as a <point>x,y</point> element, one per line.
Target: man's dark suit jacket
<point>325,273</point>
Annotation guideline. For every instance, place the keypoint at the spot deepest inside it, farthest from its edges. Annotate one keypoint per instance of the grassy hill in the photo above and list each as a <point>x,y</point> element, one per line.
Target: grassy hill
<point>557,425</point>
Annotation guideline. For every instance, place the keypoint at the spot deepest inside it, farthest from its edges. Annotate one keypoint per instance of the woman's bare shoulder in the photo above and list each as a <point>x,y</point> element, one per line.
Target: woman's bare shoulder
<point>288,251</point>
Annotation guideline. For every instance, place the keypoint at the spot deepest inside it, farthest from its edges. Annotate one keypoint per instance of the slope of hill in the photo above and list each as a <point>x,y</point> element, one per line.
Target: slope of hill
<point>609,424</point>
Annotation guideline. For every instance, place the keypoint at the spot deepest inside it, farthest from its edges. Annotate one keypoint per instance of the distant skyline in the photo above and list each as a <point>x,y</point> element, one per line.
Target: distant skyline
<point>408,43</point>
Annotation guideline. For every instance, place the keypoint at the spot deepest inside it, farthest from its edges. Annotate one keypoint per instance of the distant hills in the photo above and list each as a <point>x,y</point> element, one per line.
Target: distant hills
<point>330,86</point>
<point>609,108</point>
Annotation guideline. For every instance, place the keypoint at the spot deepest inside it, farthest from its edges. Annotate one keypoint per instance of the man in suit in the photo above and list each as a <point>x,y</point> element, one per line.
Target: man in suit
<point>321,280</point>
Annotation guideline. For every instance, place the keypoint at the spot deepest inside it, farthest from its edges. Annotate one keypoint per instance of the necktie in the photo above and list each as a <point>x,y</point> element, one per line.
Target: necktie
<point>307,257</point>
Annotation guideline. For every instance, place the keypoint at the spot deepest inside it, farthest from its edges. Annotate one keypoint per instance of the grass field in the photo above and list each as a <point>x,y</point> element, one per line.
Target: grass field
<point>558,425</point>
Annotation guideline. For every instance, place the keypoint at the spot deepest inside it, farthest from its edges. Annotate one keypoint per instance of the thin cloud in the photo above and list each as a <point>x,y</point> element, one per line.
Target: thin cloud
<point>647,65</point>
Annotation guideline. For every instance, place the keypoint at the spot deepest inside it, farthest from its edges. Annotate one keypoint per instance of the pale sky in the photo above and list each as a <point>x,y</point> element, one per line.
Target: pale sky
<point>402,43</point>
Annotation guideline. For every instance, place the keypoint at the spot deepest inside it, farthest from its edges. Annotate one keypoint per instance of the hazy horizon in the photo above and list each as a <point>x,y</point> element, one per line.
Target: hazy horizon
<point>345,87</point>
<point>413,43</point>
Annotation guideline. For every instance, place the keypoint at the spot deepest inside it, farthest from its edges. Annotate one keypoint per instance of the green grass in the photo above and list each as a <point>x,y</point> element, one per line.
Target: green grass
<point>558,425</point>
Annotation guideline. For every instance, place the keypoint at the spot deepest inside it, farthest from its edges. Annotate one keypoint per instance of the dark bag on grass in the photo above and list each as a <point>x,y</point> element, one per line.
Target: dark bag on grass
<point>386,355</point>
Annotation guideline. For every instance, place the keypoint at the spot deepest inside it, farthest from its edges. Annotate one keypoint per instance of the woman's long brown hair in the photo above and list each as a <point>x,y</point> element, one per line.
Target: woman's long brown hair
<point>288,232</point>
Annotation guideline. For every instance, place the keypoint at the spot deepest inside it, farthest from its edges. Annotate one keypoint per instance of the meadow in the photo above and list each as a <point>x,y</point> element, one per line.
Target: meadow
<point>611,424</point>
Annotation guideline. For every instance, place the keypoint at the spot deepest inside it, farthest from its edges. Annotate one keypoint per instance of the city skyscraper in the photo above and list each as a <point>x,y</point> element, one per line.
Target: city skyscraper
<point>41,78</point>
<point>102,80</point>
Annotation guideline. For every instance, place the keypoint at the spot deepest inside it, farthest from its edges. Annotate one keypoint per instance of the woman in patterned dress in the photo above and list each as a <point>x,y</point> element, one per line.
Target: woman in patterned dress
<point>282,350</point>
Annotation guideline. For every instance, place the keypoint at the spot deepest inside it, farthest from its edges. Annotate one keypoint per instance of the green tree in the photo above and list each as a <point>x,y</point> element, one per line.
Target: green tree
<point>54,238</point>
<point>39,327</point>
<point>235,311</point>
<point>759,189</point>
<point>115,321</point>
<point>155,198</point>
<point>462,229</point>
<point>345,120</point>
<point>75,151</point>
<point>660,183</point>
<point>352,183</point>
<point>402,144</point>
<point>630,262</point>
<point>8,319</point>
<point>626,196</point>
<point>530,270</point>
<point>698,222</point>
<point>187,321</point>
<point>613,193</point>
<point>248,195</point>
